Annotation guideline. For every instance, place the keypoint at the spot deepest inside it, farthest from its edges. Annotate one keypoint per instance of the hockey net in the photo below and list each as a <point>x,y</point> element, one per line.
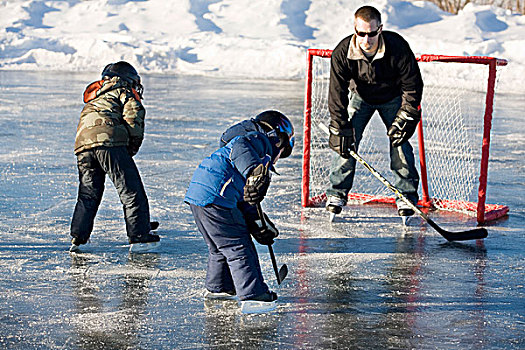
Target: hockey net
<point>452,140</point>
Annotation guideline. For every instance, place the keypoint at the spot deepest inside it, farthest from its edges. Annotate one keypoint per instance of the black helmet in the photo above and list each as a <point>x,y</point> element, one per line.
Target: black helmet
<point>282,126</point>
<point>126,72</point>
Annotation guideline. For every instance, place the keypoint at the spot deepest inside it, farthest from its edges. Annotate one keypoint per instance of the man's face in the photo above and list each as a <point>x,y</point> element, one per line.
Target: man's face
<point>367,42</point>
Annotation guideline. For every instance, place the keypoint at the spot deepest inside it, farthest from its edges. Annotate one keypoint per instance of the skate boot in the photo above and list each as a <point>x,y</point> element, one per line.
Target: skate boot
<point>404,211</point>
<point>265,302</point>
<point>75,244</point>
<point>143,244</point>
<point>229,295</point>
<point>334,204</point>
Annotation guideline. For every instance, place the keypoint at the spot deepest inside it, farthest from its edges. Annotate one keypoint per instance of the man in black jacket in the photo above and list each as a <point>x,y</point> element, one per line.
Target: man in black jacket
<point>373,70</point>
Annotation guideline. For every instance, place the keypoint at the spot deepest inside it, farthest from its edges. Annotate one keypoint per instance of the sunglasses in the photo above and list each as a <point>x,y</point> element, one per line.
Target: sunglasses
<point>370,34</point>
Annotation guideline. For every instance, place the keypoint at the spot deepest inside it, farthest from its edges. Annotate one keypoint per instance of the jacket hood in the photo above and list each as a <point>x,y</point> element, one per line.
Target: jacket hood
<point>100,87</point>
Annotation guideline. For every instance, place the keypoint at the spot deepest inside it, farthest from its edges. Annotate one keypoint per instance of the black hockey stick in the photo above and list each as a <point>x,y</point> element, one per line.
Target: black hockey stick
<point>476,233</point>
<point>154,225</point>
<point>281,273</point>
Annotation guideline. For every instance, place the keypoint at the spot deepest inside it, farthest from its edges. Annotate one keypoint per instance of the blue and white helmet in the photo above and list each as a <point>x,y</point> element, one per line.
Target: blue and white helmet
<point>278,123</point>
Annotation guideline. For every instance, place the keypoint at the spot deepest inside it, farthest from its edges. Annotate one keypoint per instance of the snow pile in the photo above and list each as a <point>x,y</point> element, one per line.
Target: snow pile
<point>238,38</point>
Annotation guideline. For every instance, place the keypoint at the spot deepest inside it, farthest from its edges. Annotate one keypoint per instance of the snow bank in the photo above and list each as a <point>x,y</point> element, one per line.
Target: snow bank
<point>238,38</point>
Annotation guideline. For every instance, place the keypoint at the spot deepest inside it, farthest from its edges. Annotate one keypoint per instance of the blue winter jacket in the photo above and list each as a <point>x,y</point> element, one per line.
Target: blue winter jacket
<point>221,177</point>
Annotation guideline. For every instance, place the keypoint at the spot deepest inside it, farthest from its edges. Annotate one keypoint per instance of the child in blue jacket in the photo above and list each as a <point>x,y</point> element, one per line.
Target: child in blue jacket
<point>222,195</point>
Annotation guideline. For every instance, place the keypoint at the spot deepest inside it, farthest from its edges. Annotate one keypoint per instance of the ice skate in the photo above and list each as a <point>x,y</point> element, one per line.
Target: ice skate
<point>404,211</point>
<point>75,245</point>
<point>260,304</point>
<point>230,295</point>
<point>144,244</point>
<point>335,204</point>
<point>74,248</point>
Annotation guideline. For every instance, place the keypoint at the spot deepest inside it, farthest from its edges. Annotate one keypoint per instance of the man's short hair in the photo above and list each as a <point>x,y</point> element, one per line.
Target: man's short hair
<point>368,13</point>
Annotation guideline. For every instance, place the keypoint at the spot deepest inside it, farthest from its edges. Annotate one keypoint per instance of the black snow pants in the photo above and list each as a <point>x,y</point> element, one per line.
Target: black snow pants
<point>93,165</point>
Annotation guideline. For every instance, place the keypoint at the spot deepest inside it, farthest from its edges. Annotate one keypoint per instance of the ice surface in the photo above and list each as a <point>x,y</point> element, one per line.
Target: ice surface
<point>364,281</point>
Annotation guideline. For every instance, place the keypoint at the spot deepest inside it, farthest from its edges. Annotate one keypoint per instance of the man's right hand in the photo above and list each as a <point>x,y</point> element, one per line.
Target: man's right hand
<point>342,139</point>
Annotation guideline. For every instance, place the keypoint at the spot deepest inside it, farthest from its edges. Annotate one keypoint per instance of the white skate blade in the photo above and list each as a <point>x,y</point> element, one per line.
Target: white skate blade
<point>257,307</point>
<point>332,217</point>
<point>143,247</point>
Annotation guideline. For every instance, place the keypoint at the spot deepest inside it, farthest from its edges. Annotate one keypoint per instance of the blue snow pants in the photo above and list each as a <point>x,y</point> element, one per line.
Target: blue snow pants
<point>402,162</point>
<point>93,165</point>
<point>233,263</point>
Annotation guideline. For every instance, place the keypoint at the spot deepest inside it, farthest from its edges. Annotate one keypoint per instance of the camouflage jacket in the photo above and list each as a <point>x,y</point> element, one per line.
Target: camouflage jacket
<point>112,116</point>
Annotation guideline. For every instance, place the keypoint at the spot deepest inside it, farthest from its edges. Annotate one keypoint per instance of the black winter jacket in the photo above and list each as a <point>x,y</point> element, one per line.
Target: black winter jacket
<point>393,72</point>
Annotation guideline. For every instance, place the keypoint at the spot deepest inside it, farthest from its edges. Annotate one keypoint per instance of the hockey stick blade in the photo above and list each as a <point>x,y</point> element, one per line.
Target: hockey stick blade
<point>477,233</point>
<point>283,272</point>
<point>154,225</point>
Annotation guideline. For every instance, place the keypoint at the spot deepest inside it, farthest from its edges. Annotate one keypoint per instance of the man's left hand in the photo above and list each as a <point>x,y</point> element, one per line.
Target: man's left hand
<point>403,127</point>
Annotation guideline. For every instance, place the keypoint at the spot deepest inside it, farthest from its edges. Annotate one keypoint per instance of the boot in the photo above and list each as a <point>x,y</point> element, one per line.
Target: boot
<point>265,302</point>
<point>144,243</point>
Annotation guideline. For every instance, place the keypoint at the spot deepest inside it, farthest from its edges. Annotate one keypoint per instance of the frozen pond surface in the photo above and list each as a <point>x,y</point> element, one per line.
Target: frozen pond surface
<point>363,282</point>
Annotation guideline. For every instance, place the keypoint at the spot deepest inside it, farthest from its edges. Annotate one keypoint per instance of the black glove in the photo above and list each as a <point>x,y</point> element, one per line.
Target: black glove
<point>134,146</point>
<point>342,139</point>
<point>263,234</point>
<point>257,184</point>
<point>132,151</point>
<point>404,126</point>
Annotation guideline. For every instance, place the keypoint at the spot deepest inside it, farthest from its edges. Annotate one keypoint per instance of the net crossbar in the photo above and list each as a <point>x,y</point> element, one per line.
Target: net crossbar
<point>452,141</point>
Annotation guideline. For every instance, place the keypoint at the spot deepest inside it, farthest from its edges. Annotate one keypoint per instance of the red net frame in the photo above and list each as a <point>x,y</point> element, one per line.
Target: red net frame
<point>484,212</point>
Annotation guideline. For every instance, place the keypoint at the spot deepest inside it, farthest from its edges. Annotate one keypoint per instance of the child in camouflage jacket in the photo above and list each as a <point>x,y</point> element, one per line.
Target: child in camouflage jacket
<point>109,134</point>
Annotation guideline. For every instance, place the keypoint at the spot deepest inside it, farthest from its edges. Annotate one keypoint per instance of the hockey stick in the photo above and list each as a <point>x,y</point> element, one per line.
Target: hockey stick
<point>476,233</point>
<point>154,225</point>
<point>281,273</point>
